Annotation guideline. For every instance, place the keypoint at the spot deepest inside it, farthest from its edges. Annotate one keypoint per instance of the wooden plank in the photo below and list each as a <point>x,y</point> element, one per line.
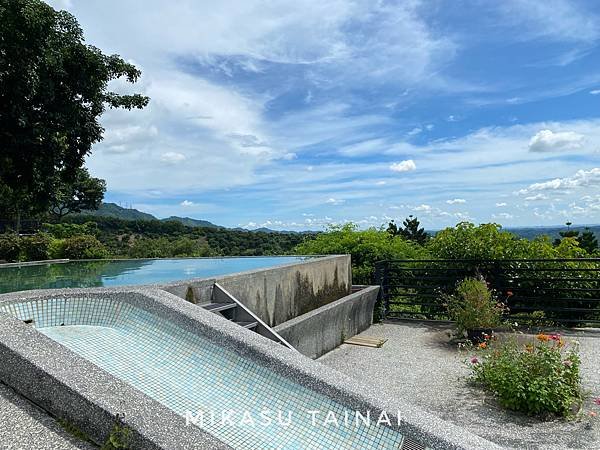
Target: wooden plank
<point>365,341</point>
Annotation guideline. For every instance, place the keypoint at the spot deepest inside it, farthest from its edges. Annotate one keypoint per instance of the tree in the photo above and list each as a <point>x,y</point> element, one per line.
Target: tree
<point>412,232</point>
<point>566,234</point>
<point>588,241</point>
<point>84,192</point>
<point>392,228</point>
<point>53,89</point>
<point>366,247</point>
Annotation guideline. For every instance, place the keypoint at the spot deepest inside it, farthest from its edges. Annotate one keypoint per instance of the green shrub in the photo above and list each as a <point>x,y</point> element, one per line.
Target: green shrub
<point>473,306</point>
<point>10,247</point>
<point>67,230</point>
<point>36,247</point>
<point>537,378</point>
<point>366,247</point>
<point>149,248</point>
<point>189,247</point>
<point>83,247</point>
<point>486,241</point>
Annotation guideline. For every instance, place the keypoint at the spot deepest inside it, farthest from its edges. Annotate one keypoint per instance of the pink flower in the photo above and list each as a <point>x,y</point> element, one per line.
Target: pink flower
<point>597,401</point>
<point>474,360</point>
<point>567,363</point>
<point>555,337</point>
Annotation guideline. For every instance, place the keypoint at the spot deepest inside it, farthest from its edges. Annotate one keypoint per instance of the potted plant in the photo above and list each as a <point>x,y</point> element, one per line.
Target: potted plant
<point>475,310</point>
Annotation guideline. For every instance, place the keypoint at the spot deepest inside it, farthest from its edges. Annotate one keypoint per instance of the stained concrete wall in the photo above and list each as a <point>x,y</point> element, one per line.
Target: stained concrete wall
<point>321,330</point>
<point>278,294</point>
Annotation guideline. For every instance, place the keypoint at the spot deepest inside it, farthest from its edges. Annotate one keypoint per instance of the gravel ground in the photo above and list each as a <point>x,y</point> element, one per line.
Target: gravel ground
<point>417,363</point>
<point>25,426</point>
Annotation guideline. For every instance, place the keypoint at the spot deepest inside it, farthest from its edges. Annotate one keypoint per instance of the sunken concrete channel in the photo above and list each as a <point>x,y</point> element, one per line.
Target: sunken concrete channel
<point>321,330</point>
<point>88,355</point>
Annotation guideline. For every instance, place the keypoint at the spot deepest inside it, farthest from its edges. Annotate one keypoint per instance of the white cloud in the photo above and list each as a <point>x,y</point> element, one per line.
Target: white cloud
<point>502,216</point>
<point>560,20</point>
<point>536,197</point>
<point>581,179</point>
<point>595,91</point>
<point>172,157</point>
<point>403,166</point>
<point>456,201</point>
<point>415,131</point>
<point>423,208</point>
<point>335,201</point>
<point>501,205</point>
<point>187,204</point>
<point>548,141</point>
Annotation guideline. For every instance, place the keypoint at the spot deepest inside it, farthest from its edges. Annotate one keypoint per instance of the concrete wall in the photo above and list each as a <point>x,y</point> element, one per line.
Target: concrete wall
<point>281,293</point>
<point>321,330</point>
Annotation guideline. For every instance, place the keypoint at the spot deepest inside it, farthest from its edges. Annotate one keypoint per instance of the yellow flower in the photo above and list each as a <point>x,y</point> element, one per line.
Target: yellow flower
<point>543,337</point>
<point>482,345</point>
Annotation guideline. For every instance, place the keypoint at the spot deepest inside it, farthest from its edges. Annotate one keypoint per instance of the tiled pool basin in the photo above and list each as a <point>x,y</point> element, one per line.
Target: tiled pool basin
<point>123,272</point>
<point>187,372</point>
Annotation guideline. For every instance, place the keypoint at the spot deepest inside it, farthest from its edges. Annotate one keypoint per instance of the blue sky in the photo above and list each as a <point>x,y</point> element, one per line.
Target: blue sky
<point>295,115</point>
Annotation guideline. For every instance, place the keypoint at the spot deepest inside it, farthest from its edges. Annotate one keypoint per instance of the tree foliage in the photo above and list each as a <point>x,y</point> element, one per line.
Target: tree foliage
<point>83,192</point>
<point>366,247</point>
<point>489,241</point>
<point>410,230</point>
<point>53,89</point>
<point>588,241</point>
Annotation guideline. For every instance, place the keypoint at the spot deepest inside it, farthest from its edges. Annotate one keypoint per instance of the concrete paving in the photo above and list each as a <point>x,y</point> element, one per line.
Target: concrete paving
<point>419,365</point>
<point>25,426</point>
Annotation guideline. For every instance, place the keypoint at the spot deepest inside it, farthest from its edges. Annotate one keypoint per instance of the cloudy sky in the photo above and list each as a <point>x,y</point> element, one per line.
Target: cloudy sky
<point>296,114</point>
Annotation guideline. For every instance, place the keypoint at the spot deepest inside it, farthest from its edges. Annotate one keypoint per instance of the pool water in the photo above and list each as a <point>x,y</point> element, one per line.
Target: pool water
<point>187,372</point>
<point>125,272</point>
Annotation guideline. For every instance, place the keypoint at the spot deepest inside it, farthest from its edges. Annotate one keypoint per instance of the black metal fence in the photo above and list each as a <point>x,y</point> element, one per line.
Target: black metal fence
<point>536,291</point>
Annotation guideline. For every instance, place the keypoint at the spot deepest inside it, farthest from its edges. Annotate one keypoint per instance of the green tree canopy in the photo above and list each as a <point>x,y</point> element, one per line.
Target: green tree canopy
<point>409,230</point>
<point>489,241</point>
<point>53,89</point>
<point>588,241</point>
<point>84,192</point>
<point>366,247</point>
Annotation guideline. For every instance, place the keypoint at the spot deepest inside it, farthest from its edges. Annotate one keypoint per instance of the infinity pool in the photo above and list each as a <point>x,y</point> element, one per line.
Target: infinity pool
<point>188,373</point>
<point>125,272</point>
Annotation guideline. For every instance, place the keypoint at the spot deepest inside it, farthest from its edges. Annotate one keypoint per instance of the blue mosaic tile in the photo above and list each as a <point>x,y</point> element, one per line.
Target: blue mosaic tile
<point>187,372</point>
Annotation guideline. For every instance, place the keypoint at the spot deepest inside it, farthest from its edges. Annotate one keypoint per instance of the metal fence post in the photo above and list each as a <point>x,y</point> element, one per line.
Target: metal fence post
<point>380,279</point>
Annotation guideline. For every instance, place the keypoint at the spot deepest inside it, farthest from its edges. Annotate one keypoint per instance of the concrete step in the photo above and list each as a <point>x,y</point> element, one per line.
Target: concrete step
<point>218,307</point>
<point>249,325</point>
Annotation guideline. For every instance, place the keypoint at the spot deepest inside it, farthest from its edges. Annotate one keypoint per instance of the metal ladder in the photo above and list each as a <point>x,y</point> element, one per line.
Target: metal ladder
<point>227,306</point>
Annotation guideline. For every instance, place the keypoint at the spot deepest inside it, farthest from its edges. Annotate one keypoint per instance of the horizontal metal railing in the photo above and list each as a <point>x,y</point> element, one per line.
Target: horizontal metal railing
<point>542,291</point>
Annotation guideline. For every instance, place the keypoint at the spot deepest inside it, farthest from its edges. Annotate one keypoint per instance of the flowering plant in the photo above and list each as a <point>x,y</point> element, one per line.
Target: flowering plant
<point>538,377</point>
<point>473,306</point>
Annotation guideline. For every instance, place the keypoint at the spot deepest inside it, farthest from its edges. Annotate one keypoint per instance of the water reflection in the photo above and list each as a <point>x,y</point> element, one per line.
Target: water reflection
<point>125,272</point>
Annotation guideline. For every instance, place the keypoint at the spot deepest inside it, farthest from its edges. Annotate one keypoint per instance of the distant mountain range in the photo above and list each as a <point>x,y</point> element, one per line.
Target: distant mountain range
<point>188,221</point>
<point>118,212</point>
<point>552,231</point>
<point>114,210</point>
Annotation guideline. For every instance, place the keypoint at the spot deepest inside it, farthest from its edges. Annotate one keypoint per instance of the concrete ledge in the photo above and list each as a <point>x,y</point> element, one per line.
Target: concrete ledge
<point>323,329</point>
